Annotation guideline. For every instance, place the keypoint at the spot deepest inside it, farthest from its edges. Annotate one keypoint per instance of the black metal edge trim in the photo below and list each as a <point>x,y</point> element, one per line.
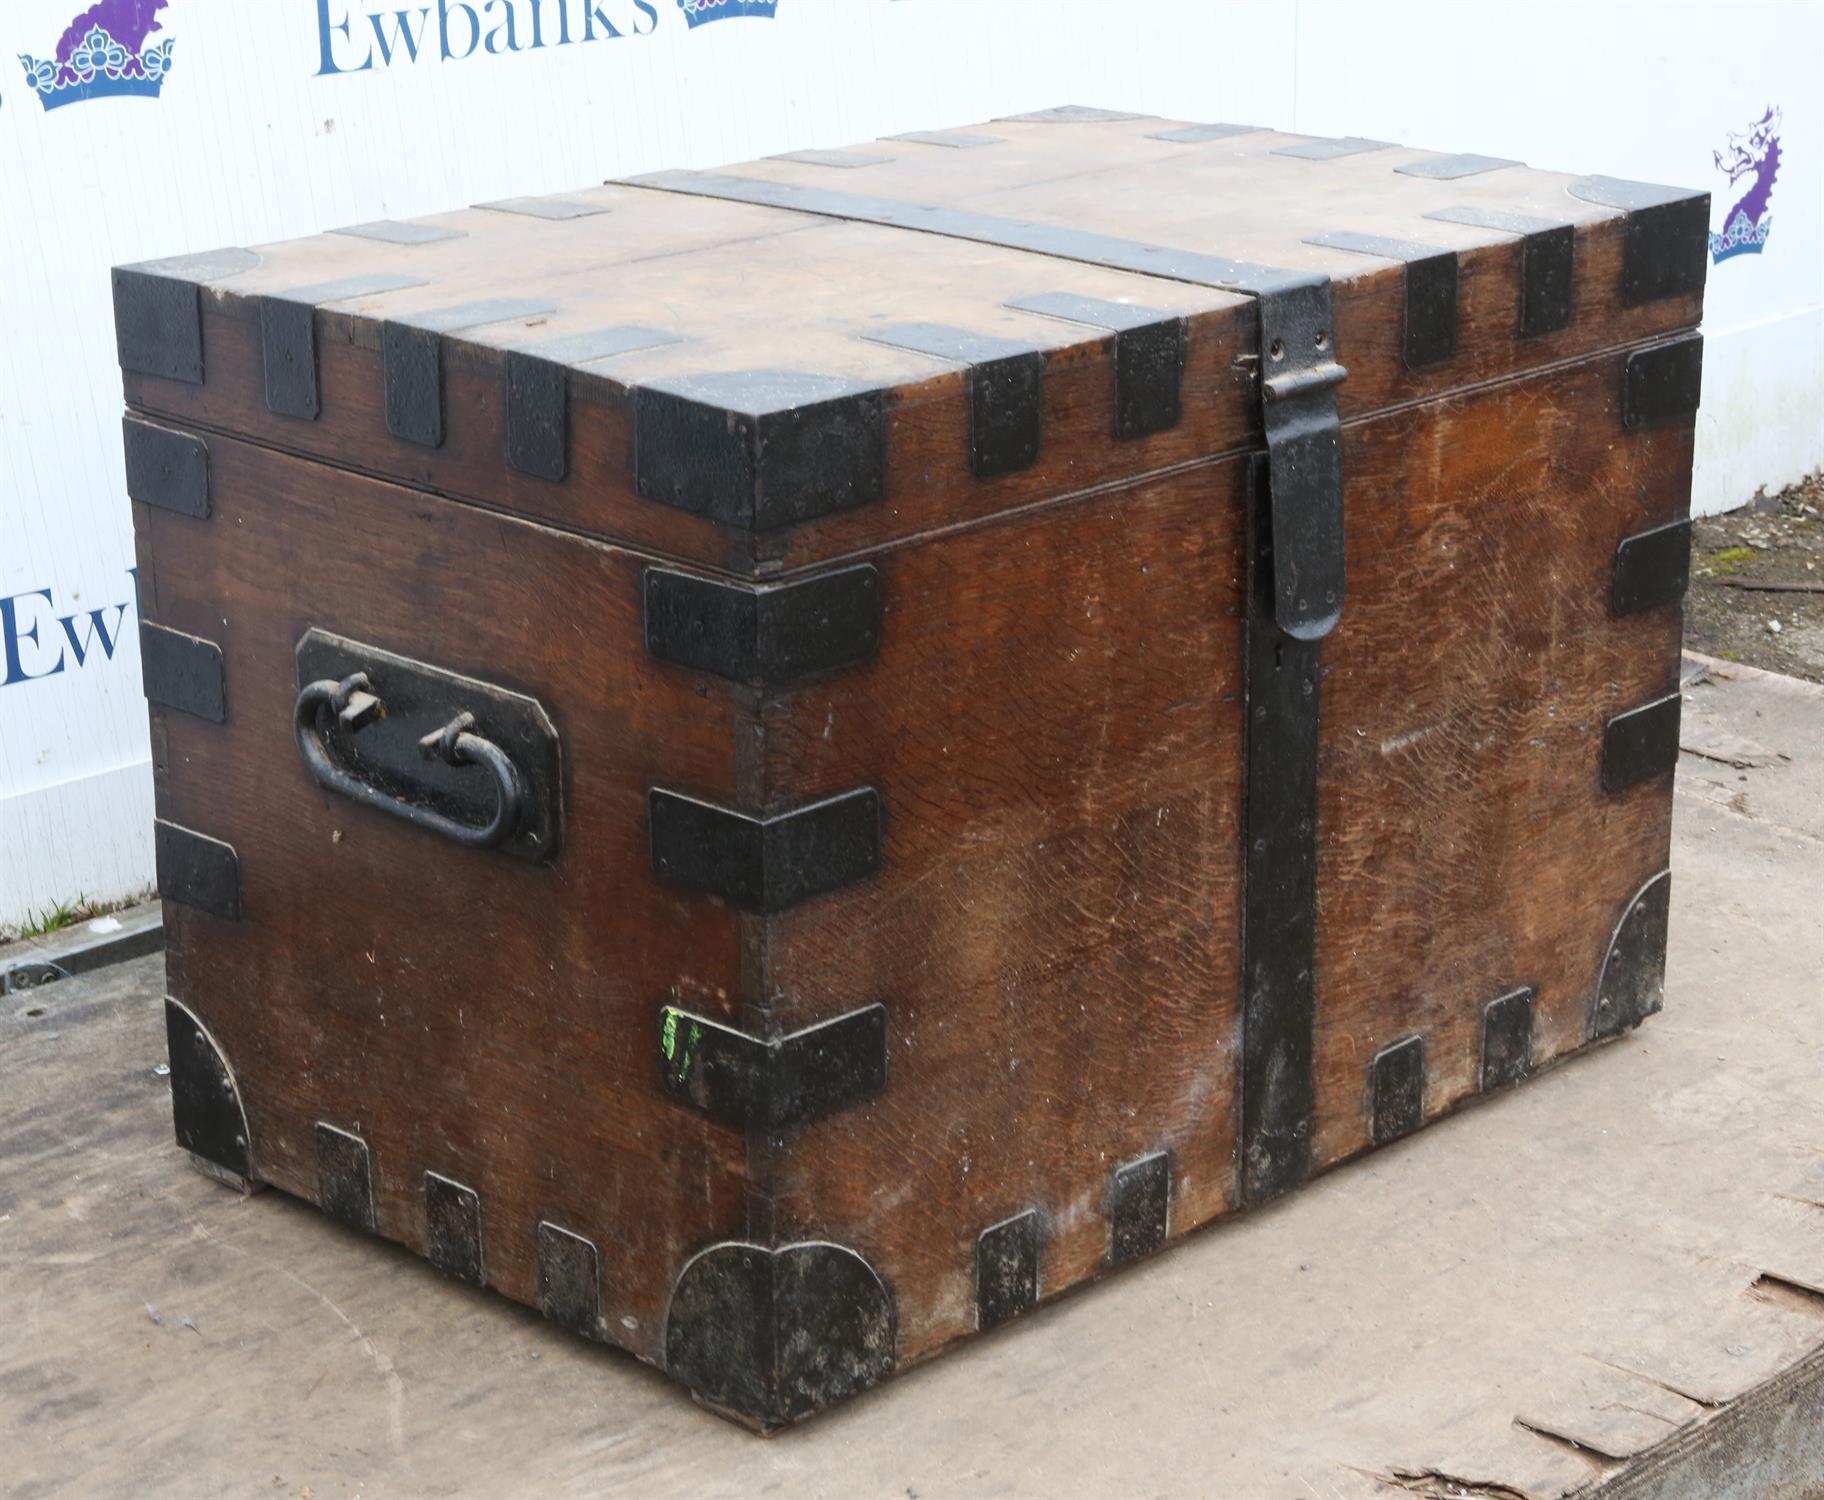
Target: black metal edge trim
<point>1548,278</point>
<point>772,1335</point>
<point>183,672</point>
<point>777,1082</point>
<point>570,1280</point>
<point>1139,1207</point>
<point>959,140</point>
<point>1149,354</point>
<point>166,468</point>
<point>411,360</point>
<point>1507,1039</point>
<point>1396,1090</point>
<point>1663,382</point>
<point>538,416</point>
<point>1431,310</point>
<point>207,1114</point>
<point>1548,262</point>
<point>765,637</point>
<point>1651,568</point>
<point>345,1176</point>
<point>1149,375</point>
<point>1007,1269</point>
<point>1430,279</point>
<point>288,358</point>
<point>765,864</point>
<point>1631,985</point>
<point>453,1239</point>
<point>1005,385</point>
<point>158,325</point>
<point>1642,743</point>
<point>1666,236</point>
<point>196,870</point>
<point>778,467</point>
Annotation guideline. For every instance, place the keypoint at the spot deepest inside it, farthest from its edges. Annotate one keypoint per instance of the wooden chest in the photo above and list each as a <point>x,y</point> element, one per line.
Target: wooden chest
<point>784,763</point>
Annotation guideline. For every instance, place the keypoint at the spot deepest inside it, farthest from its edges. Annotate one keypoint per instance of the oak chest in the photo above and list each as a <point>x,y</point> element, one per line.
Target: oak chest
<point>784,763</point>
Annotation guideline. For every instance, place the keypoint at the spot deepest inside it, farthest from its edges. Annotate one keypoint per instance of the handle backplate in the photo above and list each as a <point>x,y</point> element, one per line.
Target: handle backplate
<point>386,753</point>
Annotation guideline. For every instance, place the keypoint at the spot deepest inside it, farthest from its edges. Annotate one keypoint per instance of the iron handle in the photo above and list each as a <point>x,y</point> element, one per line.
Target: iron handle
<point>354,705</point>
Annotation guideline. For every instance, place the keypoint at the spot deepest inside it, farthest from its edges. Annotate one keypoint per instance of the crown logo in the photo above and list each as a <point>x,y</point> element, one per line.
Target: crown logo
<point>702,12</point>
<point>106,52</point>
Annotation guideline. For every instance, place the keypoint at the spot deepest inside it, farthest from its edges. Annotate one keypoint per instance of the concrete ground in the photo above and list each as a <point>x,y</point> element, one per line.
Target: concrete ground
<point>1608,1281</point>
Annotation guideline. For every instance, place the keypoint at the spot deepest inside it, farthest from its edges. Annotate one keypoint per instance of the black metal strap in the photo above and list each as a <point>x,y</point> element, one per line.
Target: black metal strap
<point>1245,277</point>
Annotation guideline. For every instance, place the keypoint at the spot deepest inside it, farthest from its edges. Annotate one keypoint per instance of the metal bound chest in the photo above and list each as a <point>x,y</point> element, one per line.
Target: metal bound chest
<point>783,763</point>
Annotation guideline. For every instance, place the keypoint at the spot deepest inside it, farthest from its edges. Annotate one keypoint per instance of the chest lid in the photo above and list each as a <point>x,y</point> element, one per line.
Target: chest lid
<point>814,355</point>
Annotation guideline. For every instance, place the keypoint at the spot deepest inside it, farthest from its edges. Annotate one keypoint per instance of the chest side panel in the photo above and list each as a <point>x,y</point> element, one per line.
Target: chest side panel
<point>449,1045</point>
<point>1481,831</point>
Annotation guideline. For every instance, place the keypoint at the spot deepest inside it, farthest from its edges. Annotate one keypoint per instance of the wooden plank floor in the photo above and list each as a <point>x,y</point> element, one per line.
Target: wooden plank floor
<point>1611,1279</point>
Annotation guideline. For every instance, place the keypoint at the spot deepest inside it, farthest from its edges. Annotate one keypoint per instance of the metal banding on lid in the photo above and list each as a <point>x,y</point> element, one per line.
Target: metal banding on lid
<point>832,158</point>
<point>955,139</point>
<point>1111,251</point>
<point>402,232</point>
<point>1447,168</point>
<point>1195,135</point>
<point>546,208</point>
<point>1330,150</point>
<point>1072,114</point>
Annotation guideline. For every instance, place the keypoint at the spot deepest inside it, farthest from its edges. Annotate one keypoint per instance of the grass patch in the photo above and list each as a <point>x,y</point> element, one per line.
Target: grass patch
<point>59,915</point>
<point>1730,559</point>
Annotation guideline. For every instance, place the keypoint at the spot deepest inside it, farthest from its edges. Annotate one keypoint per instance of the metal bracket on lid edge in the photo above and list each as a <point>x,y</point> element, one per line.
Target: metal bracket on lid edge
<point>1298,380</point>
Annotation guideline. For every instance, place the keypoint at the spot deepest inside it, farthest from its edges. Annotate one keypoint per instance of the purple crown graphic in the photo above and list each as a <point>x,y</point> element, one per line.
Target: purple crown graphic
<point>702,12</point>
<point>106,52</point>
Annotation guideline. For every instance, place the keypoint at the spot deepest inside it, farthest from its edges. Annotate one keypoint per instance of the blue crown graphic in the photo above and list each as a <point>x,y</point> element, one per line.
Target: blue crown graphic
<point>702,12</point>
<point>1740,238</point>
<point>99,67</point>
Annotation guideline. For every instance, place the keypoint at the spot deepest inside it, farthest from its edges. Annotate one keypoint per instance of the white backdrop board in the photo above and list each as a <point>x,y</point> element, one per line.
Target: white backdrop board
<point>193,124</point>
